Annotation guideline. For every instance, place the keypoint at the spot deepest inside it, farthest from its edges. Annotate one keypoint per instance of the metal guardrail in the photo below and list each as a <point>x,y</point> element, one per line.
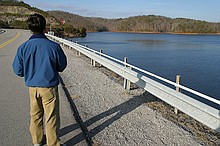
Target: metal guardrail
<point>196,109</point>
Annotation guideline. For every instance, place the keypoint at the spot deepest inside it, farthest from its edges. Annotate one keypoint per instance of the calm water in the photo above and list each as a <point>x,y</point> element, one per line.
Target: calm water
<point>195,57</point>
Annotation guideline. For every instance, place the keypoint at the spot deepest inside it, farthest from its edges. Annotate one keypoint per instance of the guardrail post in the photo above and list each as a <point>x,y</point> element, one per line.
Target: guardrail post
<point>127,83</point>
<point>93,62</point>
<point>178,90</point>
<point>100,53</point>
<point>78,53</point>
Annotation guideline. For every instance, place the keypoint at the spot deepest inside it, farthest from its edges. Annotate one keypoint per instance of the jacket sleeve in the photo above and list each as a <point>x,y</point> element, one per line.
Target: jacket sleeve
<point>18,64</point>
<point>61,60</point>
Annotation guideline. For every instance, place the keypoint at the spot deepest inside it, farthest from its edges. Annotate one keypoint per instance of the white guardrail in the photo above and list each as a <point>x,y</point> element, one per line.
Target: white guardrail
<point>198,110</point>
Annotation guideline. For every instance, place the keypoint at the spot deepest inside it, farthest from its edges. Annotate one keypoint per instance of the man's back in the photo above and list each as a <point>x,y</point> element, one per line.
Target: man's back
<point>42,60</point>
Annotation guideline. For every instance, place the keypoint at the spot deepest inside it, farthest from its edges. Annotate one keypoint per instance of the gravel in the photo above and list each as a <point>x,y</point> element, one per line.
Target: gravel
<point>115,116</point>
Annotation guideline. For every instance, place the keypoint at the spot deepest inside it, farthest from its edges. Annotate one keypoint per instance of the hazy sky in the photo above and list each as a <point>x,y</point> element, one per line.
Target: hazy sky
<point>208,10</point>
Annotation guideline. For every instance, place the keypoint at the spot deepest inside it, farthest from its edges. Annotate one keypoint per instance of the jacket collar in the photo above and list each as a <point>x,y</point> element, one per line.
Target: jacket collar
<point>37,36</point>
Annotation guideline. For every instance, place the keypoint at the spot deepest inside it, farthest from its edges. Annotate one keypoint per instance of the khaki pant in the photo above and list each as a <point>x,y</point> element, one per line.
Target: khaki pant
<point>44,102</point>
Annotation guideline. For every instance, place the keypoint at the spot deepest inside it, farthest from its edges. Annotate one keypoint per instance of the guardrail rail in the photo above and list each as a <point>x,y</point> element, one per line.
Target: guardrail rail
<point>198,110</point>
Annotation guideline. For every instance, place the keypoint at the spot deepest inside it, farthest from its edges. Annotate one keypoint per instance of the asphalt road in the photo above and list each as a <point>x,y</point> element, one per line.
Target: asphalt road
<point>14,100</point>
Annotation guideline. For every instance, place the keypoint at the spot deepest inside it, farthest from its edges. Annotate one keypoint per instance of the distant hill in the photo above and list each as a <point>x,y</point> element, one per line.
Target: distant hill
<point>14,13</point>
<point>91,24</point>
<point>145,23</point>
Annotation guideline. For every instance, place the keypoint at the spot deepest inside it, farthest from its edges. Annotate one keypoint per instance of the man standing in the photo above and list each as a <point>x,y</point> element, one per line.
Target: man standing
<point>39,60</point>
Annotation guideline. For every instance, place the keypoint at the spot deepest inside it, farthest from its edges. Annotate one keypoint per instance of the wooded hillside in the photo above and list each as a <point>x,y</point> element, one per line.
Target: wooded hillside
<point>150,23</point>
<point>14,14</point>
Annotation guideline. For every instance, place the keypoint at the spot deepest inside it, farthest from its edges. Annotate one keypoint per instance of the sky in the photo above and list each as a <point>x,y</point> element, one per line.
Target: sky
<point>207,10</point>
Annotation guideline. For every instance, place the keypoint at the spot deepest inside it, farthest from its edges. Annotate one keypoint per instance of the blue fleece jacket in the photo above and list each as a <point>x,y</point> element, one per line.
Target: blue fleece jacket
<point>39,60</point>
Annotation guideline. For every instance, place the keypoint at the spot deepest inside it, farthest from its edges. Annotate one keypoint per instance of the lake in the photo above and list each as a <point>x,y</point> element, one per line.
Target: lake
<point>195,57</point>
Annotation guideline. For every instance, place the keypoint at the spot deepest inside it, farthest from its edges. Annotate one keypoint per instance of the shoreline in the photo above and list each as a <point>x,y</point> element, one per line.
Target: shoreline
<point>145,32</point>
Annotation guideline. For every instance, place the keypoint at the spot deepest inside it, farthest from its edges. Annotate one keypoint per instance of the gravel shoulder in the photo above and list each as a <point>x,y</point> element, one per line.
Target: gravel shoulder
<point>114,116</point>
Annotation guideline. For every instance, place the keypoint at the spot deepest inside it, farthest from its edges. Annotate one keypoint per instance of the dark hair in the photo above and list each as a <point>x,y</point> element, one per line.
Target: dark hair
<point>36,23</point>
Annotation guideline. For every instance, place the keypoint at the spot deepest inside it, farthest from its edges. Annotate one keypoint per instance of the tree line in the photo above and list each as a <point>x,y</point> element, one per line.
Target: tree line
<point>145,23</point>
<point>77,25</point>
